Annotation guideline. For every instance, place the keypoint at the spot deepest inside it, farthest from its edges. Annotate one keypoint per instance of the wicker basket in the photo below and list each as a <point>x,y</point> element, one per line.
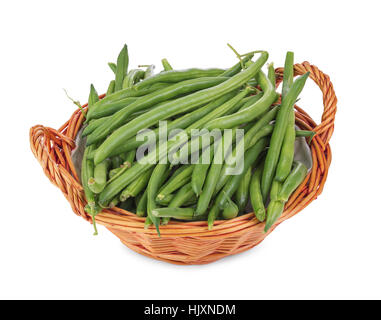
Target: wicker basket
<point>188,242</point>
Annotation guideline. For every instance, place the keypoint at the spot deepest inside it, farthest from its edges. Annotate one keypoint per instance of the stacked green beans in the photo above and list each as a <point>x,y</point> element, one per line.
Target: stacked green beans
<point>248,166</point>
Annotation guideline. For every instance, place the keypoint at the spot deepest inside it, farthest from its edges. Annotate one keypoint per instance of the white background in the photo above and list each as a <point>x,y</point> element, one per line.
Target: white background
<point>329,250</point>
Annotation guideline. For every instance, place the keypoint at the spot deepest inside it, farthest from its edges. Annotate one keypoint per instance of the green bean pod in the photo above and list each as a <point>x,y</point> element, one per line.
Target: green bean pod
<point>178,213</point>
<point>141,208</point>
<point>229,85</point>
<point>152,189</point>
<point>180,180</point>
<point>278,134</point>
<point>286,156</point>
<point>251,156</point>
<point>237,67</point>
<point>200,171</point>
<point>173,76</point>
<point>99,181</point>
<point>121,68</point>
<point>242,193</point>
<point>250,113</point>
<point>166,200</point>
<point>274,211</point>
<point>108,109</point>
<point>271,74</point>
<point>166,65</point>
<point>230,211</point>
<point>110,88</point>
<point>213,214</point>
<point>133,189</point>
<point>256,194</point>
<point>145,102</point>
<point>180,123</point>
<point>112,66</point>
<point>182,196</point>
<point>294,179</point>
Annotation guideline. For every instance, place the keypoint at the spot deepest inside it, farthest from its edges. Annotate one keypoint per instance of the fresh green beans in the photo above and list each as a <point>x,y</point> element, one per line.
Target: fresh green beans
<point>286,156</point>
<point>178,213</point>
<point>141,208</point>
<point>279,130</point>
<point>176,183</point>
<point>200,170</point>
<point>213,214</point>
<point>136,186</point>
<point>121,68</point>
<point>294,179</point>
<point>182,196</point>
<point>171,108</point>
<point>150,118</point>
<point>152,189</point>
<point>166,65</point>
<point>177,76</point>
<point>230,211</point>
<point>111,88</point>
<point>98,182</point>
<point>250,113</point>
<point>256,194</point>
<point>242,193</point>
<point>133,77</point>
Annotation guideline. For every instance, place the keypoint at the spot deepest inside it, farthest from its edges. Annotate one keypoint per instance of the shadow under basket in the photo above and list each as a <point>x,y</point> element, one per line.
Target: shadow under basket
<point>188,242</point>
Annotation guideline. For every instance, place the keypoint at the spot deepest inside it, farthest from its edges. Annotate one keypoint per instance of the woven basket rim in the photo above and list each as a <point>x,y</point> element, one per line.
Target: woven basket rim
<point>53,149</point>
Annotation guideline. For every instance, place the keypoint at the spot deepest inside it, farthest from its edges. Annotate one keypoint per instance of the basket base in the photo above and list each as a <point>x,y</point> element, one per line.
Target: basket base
<point>156,250</point>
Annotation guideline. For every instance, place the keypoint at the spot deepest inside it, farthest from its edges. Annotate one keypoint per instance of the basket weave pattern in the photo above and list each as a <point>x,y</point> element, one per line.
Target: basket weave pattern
<point>189,242</point>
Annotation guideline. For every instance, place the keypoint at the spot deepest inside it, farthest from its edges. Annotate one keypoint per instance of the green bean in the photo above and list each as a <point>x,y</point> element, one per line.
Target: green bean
<point>112,66</point>
<point>237,67</point>
<point>121,68</point>
<point>271,73</point>
<point>177,76</point>
<point>145,102</point>
<point>278,134</point>
<point>111,88</point>
<point>305,133</point>
<point>166,65</point>
<point>93,97</point>
<point>133,76</point>
<point>152,189</point>
<point>230,210</point>
<point>113,172</point>
<point>228,106</point>
<point>288,73</point>
<point>165,201</point>
<point>182,196</point>
<point>200,171</point>
<point>211,179</point>
<point>274,211</point>
<point>294,179</point>
<point>98,182</point>
<point>178,213</point>
<point>180,123</point>
<point>274,191</point>
<point>134,188</point>
<point>114,202</point>
<point>87,171</point>
<point>250,113</point>
<point>213,214</point>
<point>251,156</point>
<point>286,156</point>
<point>176,183</point>
<point>251,136</point>
<point>141,208</point>
<point>242,193</point>
<point>108,109</point>
<point>229,85</point>
<point>118,100</point>
<point>256,194</point>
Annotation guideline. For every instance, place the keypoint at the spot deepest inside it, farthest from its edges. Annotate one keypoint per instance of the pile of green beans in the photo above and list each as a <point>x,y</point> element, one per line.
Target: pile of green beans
<point>173,182</point>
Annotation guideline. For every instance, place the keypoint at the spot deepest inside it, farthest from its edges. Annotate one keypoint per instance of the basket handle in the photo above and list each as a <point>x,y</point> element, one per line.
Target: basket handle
<point>53,149</point>
<point>326,127</point>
